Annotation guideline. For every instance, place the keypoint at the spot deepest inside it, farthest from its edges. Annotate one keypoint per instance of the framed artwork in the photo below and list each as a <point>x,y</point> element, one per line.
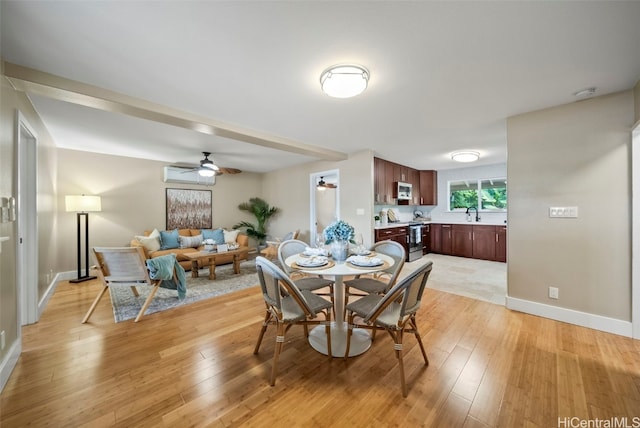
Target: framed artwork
<point>188,209</point>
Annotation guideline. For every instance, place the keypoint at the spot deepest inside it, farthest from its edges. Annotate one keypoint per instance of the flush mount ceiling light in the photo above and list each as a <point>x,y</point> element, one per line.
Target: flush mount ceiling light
<point>465,156</point>
<point>344,80</point>
<point>584,93</point>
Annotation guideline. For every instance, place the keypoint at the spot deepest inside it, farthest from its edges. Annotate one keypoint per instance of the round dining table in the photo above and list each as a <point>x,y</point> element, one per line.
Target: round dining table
<point>361,338</point>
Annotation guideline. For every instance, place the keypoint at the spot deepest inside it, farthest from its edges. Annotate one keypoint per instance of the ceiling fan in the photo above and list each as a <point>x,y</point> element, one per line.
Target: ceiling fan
<point>207,168</point>
<point>324,185</point>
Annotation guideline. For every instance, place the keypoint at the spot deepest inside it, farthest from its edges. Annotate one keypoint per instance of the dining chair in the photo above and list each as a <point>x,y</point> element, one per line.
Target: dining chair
<point>382,281</point>
<point>287,305</point>
<point>124,266</point>
<point>394,312</point>
<point>303,281</point>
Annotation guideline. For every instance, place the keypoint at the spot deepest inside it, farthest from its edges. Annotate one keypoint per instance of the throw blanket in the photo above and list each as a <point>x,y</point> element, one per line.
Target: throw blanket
<point>162,268</point>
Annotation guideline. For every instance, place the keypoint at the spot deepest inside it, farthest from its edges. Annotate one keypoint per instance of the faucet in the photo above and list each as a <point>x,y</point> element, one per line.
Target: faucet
<point>474,208</point>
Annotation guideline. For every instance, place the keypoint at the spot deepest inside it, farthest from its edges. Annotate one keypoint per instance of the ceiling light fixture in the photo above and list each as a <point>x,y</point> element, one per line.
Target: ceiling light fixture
<point>206,172</point>
<point>585,92</point>
<point>344,80</point>
<point>465,156</point>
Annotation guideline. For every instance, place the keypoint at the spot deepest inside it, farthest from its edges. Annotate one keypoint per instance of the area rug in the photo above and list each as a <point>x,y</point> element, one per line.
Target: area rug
<point>126,306</point>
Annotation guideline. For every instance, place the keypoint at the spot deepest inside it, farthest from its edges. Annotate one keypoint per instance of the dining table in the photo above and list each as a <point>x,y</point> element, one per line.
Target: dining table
<point>338,270</point>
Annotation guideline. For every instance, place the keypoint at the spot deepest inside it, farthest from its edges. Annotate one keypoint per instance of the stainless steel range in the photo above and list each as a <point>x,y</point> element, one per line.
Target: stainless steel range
<point>415,241</point>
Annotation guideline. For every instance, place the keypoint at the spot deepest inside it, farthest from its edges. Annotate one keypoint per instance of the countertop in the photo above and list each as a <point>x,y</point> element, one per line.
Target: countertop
<point>479,223</point>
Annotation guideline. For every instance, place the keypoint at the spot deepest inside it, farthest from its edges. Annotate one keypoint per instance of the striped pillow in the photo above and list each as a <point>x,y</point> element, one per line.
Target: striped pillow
<point>190,241</point>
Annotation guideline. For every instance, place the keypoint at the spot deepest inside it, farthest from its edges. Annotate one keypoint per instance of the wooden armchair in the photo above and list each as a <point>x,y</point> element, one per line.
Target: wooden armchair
<point>123,266</point>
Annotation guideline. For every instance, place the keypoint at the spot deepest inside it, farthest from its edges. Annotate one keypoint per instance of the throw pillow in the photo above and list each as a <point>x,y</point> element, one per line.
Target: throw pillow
<point>190,241</point>
<point>216,234</point>
<point>230,236</point>
<point>151,242</point>
<point>169,239</point>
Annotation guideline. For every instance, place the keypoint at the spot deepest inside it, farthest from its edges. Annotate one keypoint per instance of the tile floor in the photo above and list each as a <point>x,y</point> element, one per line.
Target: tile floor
<point>478,279</point>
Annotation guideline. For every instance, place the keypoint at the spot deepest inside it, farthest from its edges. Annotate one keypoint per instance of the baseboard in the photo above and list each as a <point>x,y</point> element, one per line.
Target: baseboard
<point>583,319</point>
<point>9,363</point>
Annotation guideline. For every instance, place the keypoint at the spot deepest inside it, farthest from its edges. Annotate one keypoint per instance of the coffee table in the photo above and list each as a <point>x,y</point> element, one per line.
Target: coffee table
<point>209,257</point>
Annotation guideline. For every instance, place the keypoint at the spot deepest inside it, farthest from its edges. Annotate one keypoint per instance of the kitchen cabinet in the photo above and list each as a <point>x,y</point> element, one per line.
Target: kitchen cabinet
<point>386,176</point>
<point>462,240</point>
<point>446,240</point>
<point>476,241</point>
<point>484,242</point>
<point>436,238</point>
<point>414,179</point>
<point>399,234</point>
<point>428,181</point>
<point>501,243</point>
<point>426,239</point>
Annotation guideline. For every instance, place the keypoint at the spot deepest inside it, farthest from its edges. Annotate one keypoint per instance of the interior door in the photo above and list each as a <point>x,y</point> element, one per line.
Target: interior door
<point>27,240</point>
<point>325,201</point>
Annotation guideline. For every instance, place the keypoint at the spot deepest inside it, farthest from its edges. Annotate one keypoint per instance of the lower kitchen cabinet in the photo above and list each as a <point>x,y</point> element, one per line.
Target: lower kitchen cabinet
<point>501,243</point>
<point>484,242</point>
<point>462,240</point>
<point>466,240</point>
<point>399,234</point>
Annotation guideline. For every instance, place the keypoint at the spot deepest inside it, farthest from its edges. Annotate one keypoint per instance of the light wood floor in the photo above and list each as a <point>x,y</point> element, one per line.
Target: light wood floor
<point>193,366</point>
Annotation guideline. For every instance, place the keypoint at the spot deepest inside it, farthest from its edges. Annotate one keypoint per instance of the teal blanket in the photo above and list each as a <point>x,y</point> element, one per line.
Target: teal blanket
<point>162,268</point>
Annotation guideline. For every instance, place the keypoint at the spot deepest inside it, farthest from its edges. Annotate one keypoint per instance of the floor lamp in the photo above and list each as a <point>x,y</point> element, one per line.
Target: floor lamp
<point>82,205</point>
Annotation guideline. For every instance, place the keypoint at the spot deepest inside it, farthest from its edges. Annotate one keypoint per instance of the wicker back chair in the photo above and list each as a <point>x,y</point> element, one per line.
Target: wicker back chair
<point>395,312</point>
<point>288,305</point>
<point>302,281</point>
<point>381,281</point>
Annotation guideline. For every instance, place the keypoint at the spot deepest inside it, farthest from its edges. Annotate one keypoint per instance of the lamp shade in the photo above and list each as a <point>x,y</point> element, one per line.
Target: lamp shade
<point>82,203</point>
<point>344,80</point>
<point>465,156</point>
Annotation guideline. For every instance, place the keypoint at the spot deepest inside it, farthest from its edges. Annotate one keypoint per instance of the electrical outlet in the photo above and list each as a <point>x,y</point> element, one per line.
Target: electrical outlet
<point>566,212</point>
<point>553,292</point>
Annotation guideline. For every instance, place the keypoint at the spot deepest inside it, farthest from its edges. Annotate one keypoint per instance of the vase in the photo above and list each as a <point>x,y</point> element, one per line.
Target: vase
<point>339,250</point>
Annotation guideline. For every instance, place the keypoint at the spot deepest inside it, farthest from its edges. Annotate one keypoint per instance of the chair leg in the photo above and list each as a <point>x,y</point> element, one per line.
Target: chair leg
<point>134,290</point>
<point>276,352</point>
<point>327,329</point>
<point>147,302</point>
<point>398,348</point>
<point>419,339</point>
<point>94,304</point>
<point>267,318</point>
<point>349,333</point>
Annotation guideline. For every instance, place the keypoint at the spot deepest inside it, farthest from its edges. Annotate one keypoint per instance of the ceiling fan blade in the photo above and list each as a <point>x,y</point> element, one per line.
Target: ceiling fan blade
<point>223,170</point>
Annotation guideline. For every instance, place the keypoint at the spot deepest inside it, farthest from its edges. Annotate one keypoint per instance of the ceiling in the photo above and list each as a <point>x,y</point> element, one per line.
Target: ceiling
<point>444,75</point>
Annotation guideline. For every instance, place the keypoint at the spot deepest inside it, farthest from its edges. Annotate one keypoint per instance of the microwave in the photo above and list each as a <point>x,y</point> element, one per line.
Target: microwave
<point>403,191</point>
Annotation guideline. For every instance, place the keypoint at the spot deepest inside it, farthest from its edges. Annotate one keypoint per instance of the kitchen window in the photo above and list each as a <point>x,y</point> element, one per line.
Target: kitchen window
<point>488,194</point>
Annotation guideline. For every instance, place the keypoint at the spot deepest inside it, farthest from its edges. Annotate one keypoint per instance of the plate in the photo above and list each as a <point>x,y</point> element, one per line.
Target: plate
<point>363,261</point>
<point>363,253</point>
<point>312,261</point>
<point>314,252</point>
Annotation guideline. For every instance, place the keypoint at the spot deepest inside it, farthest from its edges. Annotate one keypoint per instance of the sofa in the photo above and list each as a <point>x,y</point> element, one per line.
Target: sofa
<point>180,241</point>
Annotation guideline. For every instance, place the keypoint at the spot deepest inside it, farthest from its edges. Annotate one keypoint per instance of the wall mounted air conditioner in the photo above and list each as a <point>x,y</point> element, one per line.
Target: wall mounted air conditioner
<point>174,174</point>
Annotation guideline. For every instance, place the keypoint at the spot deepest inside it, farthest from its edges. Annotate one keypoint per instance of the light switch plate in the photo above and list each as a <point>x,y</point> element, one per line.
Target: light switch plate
<point>563,212</point>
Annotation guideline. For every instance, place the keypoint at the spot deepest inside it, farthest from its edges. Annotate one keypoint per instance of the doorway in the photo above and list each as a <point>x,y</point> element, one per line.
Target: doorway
<point>27,211</point>
<point>324,191</point>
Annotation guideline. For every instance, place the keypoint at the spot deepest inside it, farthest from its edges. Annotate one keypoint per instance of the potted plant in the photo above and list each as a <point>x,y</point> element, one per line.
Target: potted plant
<point>377,220</point>
<point>339,234</point>
<point>262,212</point>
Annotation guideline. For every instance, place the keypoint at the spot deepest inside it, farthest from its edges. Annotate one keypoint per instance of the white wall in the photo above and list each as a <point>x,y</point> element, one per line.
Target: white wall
<point>572,155</point>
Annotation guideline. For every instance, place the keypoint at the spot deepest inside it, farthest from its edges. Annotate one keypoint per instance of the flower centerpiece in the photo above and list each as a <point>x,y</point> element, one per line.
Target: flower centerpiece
<point>339,234</point>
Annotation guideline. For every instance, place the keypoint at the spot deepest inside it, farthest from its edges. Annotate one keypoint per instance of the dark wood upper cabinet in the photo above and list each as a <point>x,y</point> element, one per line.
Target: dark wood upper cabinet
<point>428,187</point>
